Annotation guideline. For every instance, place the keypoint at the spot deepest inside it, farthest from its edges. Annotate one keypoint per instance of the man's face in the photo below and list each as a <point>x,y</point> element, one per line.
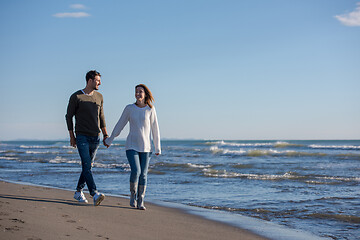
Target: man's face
<point>96,82</point>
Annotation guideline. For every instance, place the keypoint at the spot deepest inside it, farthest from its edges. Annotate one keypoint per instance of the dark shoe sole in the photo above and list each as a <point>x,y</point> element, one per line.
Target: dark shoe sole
<point>99,200</point>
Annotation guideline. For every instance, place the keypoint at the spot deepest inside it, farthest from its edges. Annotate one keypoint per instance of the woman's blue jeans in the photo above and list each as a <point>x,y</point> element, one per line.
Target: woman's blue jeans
<point>87,147</point>
<point>139,164</point>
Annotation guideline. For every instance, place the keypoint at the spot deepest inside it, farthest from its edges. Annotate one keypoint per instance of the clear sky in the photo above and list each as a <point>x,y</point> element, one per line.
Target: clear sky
<point>218,69</point>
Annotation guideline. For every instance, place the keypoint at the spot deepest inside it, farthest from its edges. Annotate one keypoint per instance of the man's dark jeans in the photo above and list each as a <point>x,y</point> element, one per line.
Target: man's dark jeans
<point>87,147</point>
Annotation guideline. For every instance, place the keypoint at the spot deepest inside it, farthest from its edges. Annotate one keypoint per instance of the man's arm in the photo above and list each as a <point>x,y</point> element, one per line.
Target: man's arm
<point>72,138</point>
<point>70,112</point>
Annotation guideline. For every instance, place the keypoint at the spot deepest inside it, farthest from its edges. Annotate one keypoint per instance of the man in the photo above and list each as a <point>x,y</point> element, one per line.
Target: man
<point>87,107</point>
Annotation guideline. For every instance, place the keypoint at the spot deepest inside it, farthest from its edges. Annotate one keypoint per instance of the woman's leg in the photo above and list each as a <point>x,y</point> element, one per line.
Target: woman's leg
<point>134,161</point>
<point>144,158</point>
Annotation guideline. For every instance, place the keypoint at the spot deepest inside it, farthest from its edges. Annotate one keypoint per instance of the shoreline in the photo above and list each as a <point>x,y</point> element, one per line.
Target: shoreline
<point>37,212</point>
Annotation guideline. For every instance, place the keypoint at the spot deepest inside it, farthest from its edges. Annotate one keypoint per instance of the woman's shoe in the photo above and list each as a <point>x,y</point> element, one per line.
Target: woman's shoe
<point>141,196</point>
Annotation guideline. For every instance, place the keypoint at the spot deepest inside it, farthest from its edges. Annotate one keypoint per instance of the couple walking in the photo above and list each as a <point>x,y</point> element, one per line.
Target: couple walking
<point>87,107</point>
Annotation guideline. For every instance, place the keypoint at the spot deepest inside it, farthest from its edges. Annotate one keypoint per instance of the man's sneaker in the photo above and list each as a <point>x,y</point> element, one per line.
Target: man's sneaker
<point>98,198</point>
<point>80,197</point>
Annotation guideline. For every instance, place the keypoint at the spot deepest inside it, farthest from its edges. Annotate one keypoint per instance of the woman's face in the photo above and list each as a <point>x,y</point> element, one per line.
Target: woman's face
<point>140,94</point>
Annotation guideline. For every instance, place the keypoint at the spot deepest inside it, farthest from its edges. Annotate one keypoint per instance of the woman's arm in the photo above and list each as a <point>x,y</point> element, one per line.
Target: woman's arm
<point>155,131</point>
<point>119,126</point>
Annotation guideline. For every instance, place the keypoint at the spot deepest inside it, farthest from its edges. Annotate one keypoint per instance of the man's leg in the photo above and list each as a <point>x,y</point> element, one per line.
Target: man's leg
<point>83,146</point>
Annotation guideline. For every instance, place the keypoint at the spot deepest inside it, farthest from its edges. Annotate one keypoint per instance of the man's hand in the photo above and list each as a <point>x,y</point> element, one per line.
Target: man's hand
<point>73,141</point>
<point>107,146</point>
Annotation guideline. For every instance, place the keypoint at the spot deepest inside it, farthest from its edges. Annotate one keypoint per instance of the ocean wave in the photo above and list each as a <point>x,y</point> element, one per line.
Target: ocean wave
<point>255,212</point>
<point>124,166</point>
<point>225,174</point>
<point>342,147</point>
<point>242,166</point>
<point>232,144</point>
<point>277,153</point>
<point>59,159</point>
<point>259,153</point>
<point>192,165</point>
<point>37,152</point>
<point>45,147</point>
<point>339,217</point>
<point>11,151</point>
<point>217,150</point>
<point>286,144</point>
<point>35,146</point>
<point>278,144</point>
<point>214,173</point>
<point>343,179</point>
<point>8,158</point>
<point>181,166</point>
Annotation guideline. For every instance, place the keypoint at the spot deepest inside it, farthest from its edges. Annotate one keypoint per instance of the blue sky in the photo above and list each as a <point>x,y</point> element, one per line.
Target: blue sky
<point>218,69</point>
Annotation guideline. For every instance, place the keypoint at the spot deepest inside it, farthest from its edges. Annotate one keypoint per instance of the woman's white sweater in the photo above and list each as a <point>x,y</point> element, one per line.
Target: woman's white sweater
<point>143,124</point>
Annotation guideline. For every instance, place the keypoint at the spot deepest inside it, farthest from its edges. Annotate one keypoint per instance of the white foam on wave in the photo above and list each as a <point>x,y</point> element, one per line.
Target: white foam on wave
<point>125,166</point>
<point>217,150</point>
<point>36,146</point>
<point>345,147</point>
<point>67,147</point>
<point>198,165</point>
<point>9,158</point>
<point>225,174</point>
<point>208,172</point>
<point>342,179</point>
<point>59,159</point>
<point>272,152</point>
<point>37,152</point>
<point>44,147</point>
<point>233,144</point>
<point>251,153</point>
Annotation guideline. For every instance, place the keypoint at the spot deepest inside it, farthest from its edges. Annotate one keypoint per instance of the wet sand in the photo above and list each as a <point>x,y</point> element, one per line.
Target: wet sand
<point>33,212</point>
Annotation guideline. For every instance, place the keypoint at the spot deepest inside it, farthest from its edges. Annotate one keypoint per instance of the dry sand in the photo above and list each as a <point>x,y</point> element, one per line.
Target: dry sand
<point>32,212</point>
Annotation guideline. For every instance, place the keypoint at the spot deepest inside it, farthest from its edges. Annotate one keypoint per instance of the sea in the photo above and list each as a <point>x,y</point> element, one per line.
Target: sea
<point>311,186</point>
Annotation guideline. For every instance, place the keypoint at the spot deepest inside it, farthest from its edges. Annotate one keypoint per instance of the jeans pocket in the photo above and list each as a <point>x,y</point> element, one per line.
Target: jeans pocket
<point>80,139</point>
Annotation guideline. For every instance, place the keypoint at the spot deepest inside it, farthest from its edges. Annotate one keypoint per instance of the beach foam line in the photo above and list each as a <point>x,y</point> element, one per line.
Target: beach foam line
<point>258,226</point>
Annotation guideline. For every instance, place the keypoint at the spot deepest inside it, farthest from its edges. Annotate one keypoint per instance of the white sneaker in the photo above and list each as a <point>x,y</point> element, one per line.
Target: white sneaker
<point>98,198</point>
<point>80,197</point>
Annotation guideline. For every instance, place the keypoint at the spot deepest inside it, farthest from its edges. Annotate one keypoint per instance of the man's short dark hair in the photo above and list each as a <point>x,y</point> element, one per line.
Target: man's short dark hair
<point>92,74</point>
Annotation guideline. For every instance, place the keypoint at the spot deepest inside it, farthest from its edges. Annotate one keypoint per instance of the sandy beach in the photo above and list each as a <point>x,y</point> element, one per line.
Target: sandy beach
<point>33,212</point>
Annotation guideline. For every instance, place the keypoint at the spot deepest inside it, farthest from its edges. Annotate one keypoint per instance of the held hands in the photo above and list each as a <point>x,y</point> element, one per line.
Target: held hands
<point>106,145</point>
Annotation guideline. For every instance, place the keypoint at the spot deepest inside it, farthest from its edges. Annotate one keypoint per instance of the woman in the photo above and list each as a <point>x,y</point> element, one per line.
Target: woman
<point>143,121</point>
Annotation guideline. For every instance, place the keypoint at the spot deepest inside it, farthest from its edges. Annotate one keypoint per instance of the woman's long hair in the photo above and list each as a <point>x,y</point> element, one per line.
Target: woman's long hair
<point>148,95</point>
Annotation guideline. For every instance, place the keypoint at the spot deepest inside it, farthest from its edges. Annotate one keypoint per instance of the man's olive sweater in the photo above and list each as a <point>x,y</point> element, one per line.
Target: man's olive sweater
<point>88,112</point>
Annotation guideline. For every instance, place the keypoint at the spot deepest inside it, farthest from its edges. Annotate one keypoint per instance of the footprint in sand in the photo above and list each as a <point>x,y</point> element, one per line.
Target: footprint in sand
<point>82,228</point>
<point>13,228</point>
<point>4,214</point>
<point>17,220</point>
<point>100,236</point>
